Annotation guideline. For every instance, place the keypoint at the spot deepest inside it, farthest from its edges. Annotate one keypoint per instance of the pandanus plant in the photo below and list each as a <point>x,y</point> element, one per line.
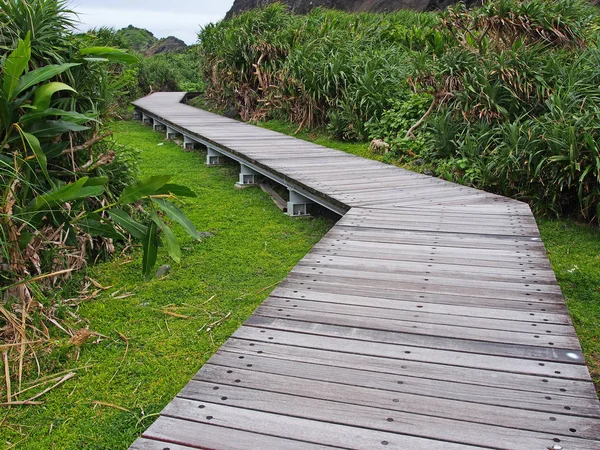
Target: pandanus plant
<point>40,196</point>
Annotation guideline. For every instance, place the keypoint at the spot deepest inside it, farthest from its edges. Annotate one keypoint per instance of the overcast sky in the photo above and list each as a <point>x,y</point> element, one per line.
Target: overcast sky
<point>179,18</point>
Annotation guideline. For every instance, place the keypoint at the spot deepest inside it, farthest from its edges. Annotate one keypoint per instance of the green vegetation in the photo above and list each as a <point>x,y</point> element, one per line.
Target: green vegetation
<point>137,39</point>
<point>163,65</point>
<point>253,248</point>
<point>503,97</point>
<point>67,195</point>
<point>574,251</point>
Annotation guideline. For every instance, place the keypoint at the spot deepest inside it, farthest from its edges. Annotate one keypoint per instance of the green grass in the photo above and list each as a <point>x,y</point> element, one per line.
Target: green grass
<point>573,249</point>
<point>320,137</point>
<point>253,248</point>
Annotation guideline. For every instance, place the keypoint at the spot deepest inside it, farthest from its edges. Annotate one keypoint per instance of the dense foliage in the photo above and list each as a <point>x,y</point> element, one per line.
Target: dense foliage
<point>66,194</point>
<point>170,71</point>
<point>503,97</point>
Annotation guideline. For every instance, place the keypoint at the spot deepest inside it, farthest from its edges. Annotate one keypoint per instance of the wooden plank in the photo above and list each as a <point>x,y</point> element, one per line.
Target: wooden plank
<point>368,263</point>
<point>521,360</point>
<point>295,428</point>
<point>537,308</point>
<point>433,283</point>
<point>425,403</point>
<point>453,385</point>
<point>474,382</point>
<point>436,306</point>
<point>362,419</point>
<point>474,332</point>
<point>420,314</point>
<point>172,432</point>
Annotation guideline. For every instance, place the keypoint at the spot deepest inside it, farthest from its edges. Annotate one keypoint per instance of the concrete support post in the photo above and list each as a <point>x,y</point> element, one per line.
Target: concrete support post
<point>189,143</point>
<point>137,115</point>
<point>159,126</point>
<point>172,134</point>
<point>147,120</point>
<point>213,157</point>
<point>298,205</point>
<point>248,176</point>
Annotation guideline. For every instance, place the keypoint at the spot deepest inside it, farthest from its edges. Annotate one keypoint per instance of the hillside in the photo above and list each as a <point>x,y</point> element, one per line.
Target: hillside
<point>144,41</point>
<point>304,6</point>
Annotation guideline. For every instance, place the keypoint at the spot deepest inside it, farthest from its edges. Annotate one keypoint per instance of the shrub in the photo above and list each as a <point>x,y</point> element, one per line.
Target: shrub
<point>503,97</point>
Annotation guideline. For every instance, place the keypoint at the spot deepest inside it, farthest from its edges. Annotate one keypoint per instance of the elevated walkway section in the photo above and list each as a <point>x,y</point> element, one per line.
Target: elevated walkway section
<point>427,318</point>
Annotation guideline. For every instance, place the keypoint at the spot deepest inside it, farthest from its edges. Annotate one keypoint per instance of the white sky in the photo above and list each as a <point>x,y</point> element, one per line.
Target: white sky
<point>179,18</point>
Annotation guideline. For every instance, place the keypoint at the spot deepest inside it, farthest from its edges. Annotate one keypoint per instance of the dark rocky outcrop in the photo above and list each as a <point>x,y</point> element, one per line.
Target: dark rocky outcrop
<point>304,6</point>
<point>144,42</point>
<point>169,44</point>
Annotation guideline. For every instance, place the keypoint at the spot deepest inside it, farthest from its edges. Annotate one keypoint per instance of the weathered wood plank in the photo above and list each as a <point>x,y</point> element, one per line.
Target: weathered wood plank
<point>454,383</point>
<point>360,418</point>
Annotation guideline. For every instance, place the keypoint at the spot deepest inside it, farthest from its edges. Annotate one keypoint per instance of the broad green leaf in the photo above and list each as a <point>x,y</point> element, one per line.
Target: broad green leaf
<point>177,215</point>
<point>124,220</point>
<point>66,193</point>
<point>175,189</point>
<point>15,65</point>
<point>53,128</point>
<point>150,248</point>
<point>109,54</point>
<point>172,245</point>
<point>143,188</point>
<point>97,181</point>
<point>36,147</point>
<point>73,116</point>
<point>96,228</point>
<point>43,94</point>
<point>39,75</point>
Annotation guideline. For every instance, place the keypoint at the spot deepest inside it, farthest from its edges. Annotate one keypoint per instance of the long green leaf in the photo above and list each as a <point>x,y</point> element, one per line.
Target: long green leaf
<point>96,228</point>
<point>39,75</point>
<point>53,128</point>
<point>73,116</point>
<point>172,245</point>
<point>66,193</point>
<point>150,248</point>
<point>96,181</point>
<point>109,54</point>
<point>143,188</point>
<point>15,65</point>
<point>177,215</point>
<point>124,220</point>
<point>175,189</point>
<point>36,147</point>
<point>43,94</point>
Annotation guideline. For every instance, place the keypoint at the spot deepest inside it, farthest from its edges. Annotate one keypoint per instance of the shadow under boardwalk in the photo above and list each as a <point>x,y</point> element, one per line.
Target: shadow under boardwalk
<point>427,318</point>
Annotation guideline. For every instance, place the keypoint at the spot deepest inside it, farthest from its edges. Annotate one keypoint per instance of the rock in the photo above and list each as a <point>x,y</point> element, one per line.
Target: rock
<point>417,162</point>
<point>205,234</point>
<point>163,271</point>
<point>304,6</point>
<point>170,44</point>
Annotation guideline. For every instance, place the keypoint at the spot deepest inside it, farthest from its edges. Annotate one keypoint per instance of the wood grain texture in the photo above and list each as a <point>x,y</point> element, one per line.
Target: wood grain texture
<point>429,317</point>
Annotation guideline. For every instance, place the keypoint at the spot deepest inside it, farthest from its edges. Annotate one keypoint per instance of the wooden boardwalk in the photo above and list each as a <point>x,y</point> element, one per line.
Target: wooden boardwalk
<point>427,318</point>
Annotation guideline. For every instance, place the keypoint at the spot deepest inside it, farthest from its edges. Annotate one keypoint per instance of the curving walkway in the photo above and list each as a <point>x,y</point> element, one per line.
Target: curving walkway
<point>427,318</point>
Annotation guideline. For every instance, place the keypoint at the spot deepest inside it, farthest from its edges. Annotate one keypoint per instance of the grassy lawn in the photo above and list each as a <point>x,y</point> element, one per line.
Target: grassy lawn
<point>573,249</point>
<point>149,351</point>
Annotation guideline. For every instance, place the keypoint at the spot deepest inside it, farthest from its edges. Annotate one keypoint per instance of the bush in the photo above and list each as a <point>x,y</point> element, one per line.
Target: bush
<point>503,97</point>
<point>67,195</point>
